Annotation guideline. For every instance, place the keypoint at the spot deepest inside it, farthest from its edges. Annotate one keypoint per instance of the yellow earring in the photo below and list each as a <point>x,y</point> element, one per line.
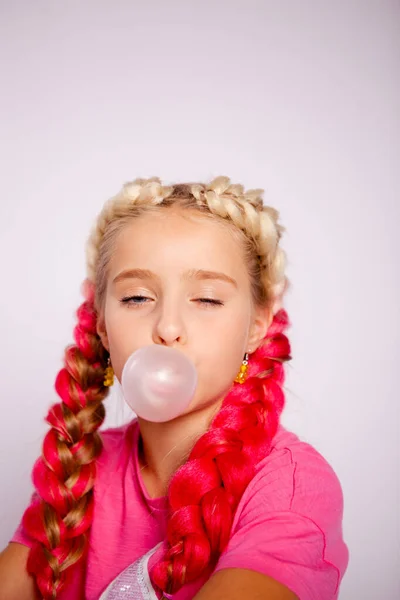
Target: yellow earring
<point>242,375</point>
<point>109,375</point>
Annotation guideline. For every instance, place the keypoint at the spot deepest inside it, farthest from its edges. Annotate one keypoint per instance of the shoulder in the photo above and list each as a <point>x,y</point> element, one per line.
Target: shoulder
<point>296,477</point>
<point>288,524</point>
<point>294,484</point>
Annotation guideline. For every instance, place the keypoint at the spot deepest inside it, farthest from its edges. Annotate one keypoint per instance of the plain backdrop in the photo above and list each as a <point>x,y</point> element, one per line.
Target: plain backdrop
<point>298,97</point>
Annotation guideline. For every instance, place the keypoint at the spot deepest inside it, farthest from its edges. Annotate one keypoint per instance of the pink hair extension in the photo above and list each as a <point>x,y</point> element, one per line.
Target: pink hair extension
<point>59,519</point>
<point>204,493</point>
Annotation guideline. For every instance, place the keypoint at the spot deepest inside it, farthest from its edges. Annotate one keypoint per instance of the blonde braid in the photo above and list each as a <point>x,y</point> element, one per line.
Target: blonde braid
<point>244,209</point>
<point>260,223</point>
<point>137,193</point>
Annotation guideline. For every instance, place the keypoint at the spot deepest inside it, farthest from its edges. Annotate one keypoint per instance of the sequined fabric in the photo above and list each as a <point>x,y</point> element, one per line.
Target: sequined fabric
<point>133,583</point>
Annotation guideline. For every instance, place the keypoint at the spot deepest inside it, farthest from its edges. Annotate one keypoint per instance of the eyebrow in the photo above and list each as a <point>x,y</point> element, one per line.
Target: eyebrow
<point>196,274</point>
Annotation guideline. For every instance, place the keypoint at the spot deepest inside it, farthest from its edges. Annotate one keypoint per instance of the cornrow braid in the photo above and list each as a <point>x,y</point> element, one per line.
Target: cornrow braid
<point>230,202</point>
<point>247,212</point>
<point>140,193</point>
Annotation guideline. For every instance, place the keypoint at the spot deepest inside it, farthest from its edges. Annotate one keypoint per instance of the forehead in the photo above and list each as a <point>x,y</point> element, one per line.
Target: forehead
<point>170,239</point>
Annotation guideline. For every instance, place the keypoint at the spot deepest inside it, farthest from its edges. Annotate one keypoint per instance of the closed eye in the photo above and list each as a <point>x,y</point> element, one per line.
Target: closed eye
<point>211,301</point>
<point>140,300</point>
<point>135,300</point>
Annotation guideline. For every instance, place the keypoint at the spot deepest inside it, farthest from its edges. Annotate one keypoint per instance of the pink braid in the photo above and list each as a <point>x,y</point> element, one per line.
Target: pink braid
<point>64,475</point>
<point>204,493</point>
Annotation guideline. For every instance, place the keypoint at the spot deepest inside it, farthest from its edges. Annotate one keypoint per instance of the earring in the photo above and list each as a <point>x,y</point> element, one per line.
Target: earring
<point>242,375</point>
<point>109,374</point>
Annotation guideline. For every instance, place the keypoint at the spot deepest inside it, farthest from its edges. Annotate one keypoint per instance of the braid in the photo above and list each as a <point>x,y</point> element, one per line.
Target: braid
<point>64,475</point>
<point>230,202</point>
<point>133,195</point>
<point>245,209</point>
<point>204,493</point>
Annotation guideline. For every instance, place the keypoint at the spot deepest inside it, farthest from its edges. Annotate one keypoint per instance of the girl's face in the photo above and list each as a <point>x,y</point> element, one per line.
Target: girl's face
<point>180,280</point>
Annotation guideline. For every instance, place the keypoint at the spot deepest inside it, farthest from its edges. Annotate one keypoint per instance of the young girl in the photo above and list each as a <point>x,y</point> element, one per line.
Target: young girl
<point>222,501</point>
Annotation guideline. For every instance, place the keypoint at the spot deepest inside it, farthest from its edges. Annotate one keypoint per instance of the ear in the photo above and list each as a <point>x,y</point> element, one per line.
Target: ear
<point>262,319</point>
<point>102,332</point>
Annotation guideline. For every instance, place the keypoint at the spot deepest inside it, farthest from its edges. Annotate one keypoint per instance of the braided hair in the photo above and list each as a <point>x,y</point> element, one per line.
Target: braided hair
<point>204,493</point>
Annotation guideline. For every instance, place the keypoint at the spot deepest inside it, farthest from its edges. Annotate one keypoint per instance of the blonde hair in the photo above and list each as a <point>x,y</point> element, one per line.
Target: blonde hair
<point>255,224</point>
<point>65,473</point>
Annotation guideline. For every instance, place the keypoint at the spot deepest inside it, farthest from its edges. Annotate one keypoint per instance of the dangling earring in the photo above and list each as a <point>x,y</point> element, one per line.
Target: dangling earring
<point>109,374</point>
<point>241,376</point>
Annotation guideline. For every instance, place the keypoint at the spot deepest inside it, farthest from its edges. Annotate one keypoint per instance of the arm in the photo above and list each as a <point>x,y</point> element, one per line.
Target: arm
<point>15,582</point>
<point>237,584</point>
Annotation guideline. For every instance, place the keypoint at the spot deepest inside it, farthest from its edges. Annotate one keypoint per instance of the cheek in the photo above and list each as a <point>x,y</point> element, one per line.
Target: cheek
<point>228,335</point>
<point>216,374</point>
<point>123,340</point>
<point>222,354</point>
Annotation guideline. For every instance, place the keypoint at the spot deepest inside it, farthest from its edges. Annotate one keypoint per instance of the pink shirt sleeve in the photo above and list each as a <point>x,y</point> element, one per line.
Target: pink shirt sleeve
<point>20,535</point>
<point>289,524</point>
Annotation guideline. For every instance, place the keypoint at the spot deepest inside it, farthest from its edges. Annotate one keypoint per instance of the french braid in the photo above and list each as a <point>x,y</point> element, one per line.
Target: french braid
<point>204,492</point>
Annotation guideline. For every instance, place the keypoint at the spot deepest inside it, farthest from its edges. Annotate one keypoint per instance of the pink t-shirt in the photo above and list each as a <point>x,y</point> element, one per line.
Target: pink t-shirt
<point>288,524</point>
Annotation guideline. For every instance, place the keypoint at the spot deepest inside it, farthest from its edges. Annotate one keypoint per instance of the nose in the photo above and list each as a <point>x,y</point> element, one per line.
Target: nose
<point>169,328</point>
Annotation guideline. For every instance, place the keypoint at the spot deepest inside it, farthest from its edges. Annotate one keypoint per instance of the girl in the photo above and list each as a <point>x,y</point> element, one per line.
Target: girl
<point>221,502</point>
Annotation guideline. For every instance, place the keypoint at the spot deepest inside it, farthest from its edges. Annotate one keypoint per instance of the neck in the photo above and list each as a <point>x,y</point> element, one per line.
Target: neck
<point>164,447</point>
